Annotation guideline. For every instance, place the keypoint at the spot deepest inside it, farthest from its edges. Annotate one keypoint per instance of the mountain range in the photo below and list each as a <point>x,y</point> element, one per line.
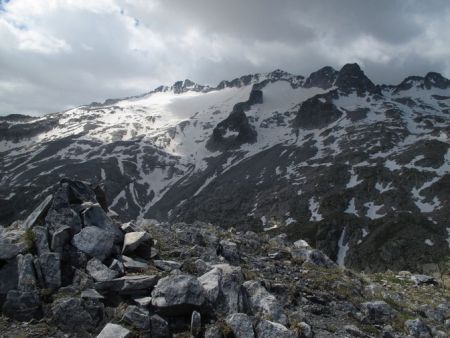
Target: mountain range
<point>361,171</point>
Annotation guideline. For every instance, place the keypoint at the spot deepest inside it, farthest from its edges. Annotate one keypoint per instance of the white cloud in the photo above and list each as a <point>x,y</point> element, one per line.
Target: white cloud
<point>60,53</point>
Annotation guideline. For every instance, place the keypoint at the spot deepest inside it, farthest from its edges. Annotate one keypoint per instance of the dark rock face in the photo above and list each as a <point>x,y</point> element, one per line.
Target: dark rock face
<point>351,77</point>
<point>22,305</point>
<point>314,113</point>
<point>323,78</point>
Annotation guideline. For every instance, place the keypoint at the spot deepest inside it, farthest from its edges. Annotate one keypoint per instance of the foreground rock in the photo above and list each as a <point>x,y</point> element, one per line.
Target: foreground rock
<point>114,331</point>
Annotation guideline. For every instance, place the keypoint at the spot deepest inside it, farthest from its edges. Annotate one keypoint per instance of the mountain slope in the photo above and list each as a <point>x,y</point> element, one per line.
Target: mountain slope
<point>360,170</point>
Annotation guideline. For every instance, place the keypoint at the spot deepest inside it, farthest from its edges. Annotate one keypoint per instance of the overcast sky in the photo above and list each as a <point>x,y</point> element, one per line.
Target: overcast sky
<point>55,54</point>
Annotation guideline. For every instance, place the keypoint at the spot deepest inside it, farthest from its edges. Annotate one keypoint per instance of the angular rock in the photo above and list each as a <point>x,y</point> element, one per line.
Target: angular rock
<point>38,213</point>
<point>417,328</point>
<point>41,240</point>
<point>178,294</point>
<point>241,325</point>
<point>118,266</point>
<point>143,301</point>
<point>95,216</point>
<point>50,264</point>
<point>267,329</point>
<point>305,330</point>
<point>260,302</point>
<point>137,317</point>
<point>70,315</point>
<point>60,237</point>
<point>27,275</point>
<point>229,251</point>
<point>134,265</point>
<point>196,324</point>
<point>91,294</point>
<point>160,327</point>
<point>167,265</point>
<point>135,240</point>
<point>114,331</point>
<point>128,284</point>
<point>12,242</point>
<point>99,271</point>
<point>78,191</point>
<point>312,256</point>
<point>94,241</point>
<point>301,244</point>
<point>377,312</point>
<point>22,306</point>
<point>213,332</point>
<point>424,280</point>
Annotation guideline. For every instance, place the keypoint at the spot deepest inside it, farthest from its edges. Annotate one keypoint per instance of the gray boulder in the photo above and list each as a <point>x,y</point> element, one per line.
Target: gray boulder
<point>114,331</point>
<point>259,301</point>
<point>134,264</point>
<point>95,216</point>
<point>213,332</point>
<point>12,242</point>
<point>241,325</point>
<point>229,251</point>
<point>118,266</point>
<point>424,280</point>
<point>137,317</point>
<point>160,327</point>
<point>27,275</point>
<point>312,256</point>
<point>222,287</point>
<point>8,277</point>
<point>377,312</point>
<point>70,315</point>
<point>91,294</point>
<point>305,330</point>
<point>166,265</point>
<point>267,329</point>
<point>94,241</point>
<point>417,328</point>
<point>139,241</point>
<point>50,264</point>
<point>99,271</point>
<point>22,306</point>
<point>178,294</point>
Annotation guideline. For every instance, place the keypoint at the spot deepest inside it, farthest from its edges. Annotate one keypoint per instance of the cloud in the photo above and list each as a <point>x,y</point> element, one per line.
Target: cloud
<point>55,54</point>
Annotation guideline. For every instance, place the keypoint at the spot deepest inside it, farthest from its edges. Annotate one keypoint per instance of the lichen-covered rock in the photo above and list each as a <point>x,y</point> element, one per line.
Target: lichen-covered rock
<point>137,317</point>
<point>41,240</point>
<point>61,236</point>
<point>178,294</point>
<point>95,242</point>
<point>417,328</point>
<point>95,216</point>
<point>50,264</point>
<point>241,325</point>
<point>27,275</point>
<point>377,312</point>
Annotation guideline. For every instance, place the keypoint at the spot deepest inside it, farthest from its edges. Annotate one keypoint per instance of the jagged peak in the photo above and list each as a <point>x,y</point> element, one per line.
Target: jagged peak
<point>352,77</point>
<point>322,78</point>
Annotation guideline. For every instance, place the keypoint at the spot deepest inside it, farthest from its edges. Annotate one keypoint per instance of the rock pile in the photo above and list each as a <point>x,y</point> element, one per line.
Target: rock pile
<point>70,268</point>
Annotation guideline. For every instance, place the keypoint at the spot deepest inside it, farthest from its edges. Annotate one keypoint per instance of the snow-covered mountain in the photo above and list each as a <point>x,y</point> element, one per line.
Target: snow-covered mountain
<point>362,171</point>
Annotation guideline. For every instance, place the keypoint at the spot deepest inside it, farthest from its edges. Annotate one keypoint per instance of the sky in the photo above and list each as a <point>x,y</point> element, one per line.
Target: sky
<point>57,54</point>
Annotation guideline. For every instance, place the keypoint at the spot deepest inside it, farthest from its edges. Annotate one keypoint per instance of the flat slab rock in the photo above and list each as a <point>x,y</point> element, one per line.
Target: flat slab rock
<point>128,284</point>
<point>114,331</point>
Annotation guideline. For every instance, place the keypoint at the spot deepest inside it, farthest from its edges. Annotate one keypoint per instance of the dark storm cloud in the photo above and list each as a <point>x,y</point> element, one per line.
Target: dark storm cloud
<point>54,55</point>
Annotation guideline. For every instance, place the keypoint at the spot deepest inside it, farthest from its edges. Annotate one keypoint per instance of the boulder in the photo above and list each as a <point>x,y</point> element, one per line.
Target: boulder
<point>222,287</point>
<point>417,328</point>
<point>95,216</point>
<point>178,294</point>
<point>50,264</point>
<point>118,266</point>
<point>12,242</point>
<point>134,265</point>
<point>61,236</point>
<point>94,241</point>
<point>128,284</point>
<point>38,214</point>
<point>377,312</point>
<point>40,235</point>
<point>267,329</point>
<point>26,273</point>
<point>137,317</point>
<point>229,251</point>
<point>213,332</point>
<point>312,256</point>
<point>78,192</point>
<point>71,315</point>
<point>99,271</point>
<point>424,280</point>
<point>143,301</point>
<point>140,241</point>
<point>196,324</point>
<point>114,331</point>
<point>22,305</point>
<point>302,244</point>
<point>91,294</point>
<point>241,325</point>
<point>305,330</point>
<point>258,301</point>
<point>159,327</point>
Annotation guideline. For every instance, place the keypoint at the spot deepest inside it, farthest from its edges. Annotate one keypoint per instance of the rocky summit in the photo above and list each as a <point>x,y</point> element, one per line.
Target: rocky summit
<point>269,205</point>
<point>73,270</point>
